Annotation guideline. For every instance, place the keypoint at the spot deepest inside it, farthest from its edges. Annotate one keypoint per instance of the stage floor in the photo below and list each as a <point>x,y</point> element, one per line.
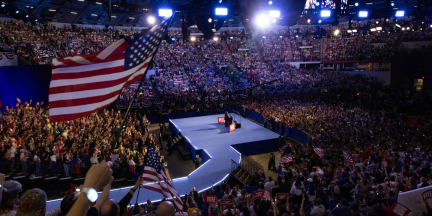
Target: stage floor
<point>206,135</point>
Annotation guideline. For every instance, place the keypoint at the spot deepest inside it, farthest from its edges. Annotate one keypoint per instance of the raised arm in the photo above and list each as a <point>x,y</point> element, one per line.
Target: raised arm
<point>302,205</point>
<point>105,194</point>
<point>97,177</point>
<point>275,209</point>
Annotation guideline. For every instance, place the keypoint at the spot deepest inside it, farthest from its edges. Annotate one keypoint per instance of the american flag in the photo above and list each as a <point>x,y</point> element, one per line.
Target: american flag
<point>319,152</point>
<point>348,159</point>
<point>83,84</point>
<point>285,160</point>
<point>155,178</point>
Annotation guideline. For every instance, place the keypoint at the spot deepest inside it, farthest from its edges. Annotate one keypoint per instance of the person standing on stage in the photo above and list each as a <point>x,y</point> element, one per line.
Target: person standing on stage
<point>226,119</point>
<point>272,162</point>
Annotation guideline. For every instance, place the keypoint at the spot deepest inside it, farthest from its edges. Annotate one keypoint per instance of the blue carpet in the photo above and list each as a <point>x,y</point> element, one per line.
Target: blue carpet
<point>204,136</point>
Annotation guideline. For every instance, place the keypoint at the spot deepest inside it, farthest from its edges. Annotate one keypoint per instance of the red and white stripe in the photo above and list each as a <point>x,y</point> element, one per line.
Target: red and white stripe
<point>319,152</point>
<point>285,160</point>
<point>161,184</point>
<point>83,84</point>
<point>348,159</point>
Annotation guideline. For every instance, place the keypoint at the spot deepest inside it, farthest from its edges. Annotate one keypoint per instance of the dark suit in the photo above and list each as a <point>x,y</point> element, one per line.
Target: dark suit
<point>226,120</point>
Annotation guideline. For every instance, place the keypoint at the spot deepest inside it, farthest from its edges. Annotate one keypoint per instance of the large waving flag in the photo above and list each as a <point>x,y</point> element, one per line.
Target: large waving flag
<point>155,178</point>
<point>83,84</point>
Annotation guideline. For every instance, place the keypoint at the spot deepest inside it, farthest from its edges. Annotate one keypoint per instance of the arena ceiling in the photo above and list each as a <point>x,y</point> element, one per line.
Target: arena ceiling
<point>135,12</point>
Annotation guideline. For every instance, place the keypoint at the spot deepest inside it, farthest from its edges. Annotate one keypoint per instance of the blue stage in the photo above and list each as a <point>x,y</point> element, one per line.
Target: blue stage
<point>217,147</point>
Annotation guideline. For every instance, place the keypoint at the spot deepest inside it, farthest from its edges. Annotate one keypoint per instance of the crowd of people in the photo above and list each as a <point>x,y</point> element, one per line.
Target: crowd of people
<point>31,145</point>
<point>375,144</point>
<point>375,139</point>
<point>343,115</point>
<point>39,43</point>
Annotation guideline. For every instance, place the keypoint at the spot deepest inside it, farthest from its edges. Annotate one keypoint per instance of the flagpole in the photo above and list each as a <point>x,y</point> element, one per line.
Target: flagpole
<point>117,135</point>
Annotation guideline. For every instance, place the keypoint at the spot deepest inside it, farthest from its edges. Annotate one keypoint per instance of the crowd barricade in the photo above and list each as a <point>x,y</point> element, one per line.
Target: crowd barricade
<point>293,133</point>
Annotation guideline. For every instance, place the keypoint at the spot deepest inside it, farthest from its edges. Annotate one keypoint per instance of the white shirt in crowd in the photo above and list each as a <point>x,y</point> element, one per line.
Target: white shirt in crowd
<point>269,185</point>
<point>131,163</point>
<point>53,158</point>
<point>94,160</point>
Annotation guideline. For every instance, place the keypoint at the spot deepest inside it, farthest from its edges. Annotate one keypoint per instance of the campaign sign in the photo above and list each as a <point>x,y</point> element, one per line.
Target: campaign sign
<point>399,209</point>
<point>211,199</point>
<point>282,196</point>
<point>221,120</point>
<point>227,202</point>
<point>232,127</point>
<point>259,194</point>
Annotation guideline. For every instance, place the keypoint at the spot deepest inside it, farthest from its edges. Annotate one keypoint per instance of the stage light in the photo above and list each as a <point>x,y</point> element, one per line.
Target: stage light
<point>363,14</point>
<point>317,4</point>
<point>3,5</point>
<point>36,20</point>
<point>325,13</point>
<point>165,12</point>
<point>209,20</point>
<point>173,39</point>
<point>336,32</point>
<point>193,38</point>
<point>349,31</point>
<point>27,16</point>
<point>231,37</point>
<point>319,21</point>
<point>274,20</point>
<point>403,29</point>
<point>280,36</point>
<point>400,13</point>
<point>220,11</point>
<point>430,26</point>
<point>17,11</point>
<point>270,2</point>
<point>264,37</point>
<point>296,36</point>
<point>274,13</point>
<point>262,21</point>
<point>151,20</point>
<point>392,4</point>
<point>379,28</point>
<point>397,25</point>
<point>356,4</point>
<point>215,38</point>
<point>377,22</point>
<point>408,28</point>
<point>308,21</point>
<point>354,30</point>
<point>373,29</point>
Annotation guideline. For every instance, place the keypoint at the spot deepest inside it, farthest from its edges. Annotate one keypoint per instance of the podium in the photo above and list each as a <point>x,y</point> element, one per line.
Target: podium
<point>232,127</point>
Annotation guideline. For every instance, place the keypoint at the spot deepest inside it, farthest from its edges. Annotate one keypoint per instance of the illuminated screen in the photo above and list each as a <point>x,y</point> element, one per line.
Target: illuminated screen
<point>221,11</point>
<point>324,4</point>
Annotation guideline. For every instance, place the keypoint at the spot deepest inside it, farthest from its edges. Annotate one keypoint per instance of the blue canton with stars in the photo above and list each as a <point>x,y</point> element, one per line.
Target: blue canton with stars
<point>152,159</point>
<point>143,44</point>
